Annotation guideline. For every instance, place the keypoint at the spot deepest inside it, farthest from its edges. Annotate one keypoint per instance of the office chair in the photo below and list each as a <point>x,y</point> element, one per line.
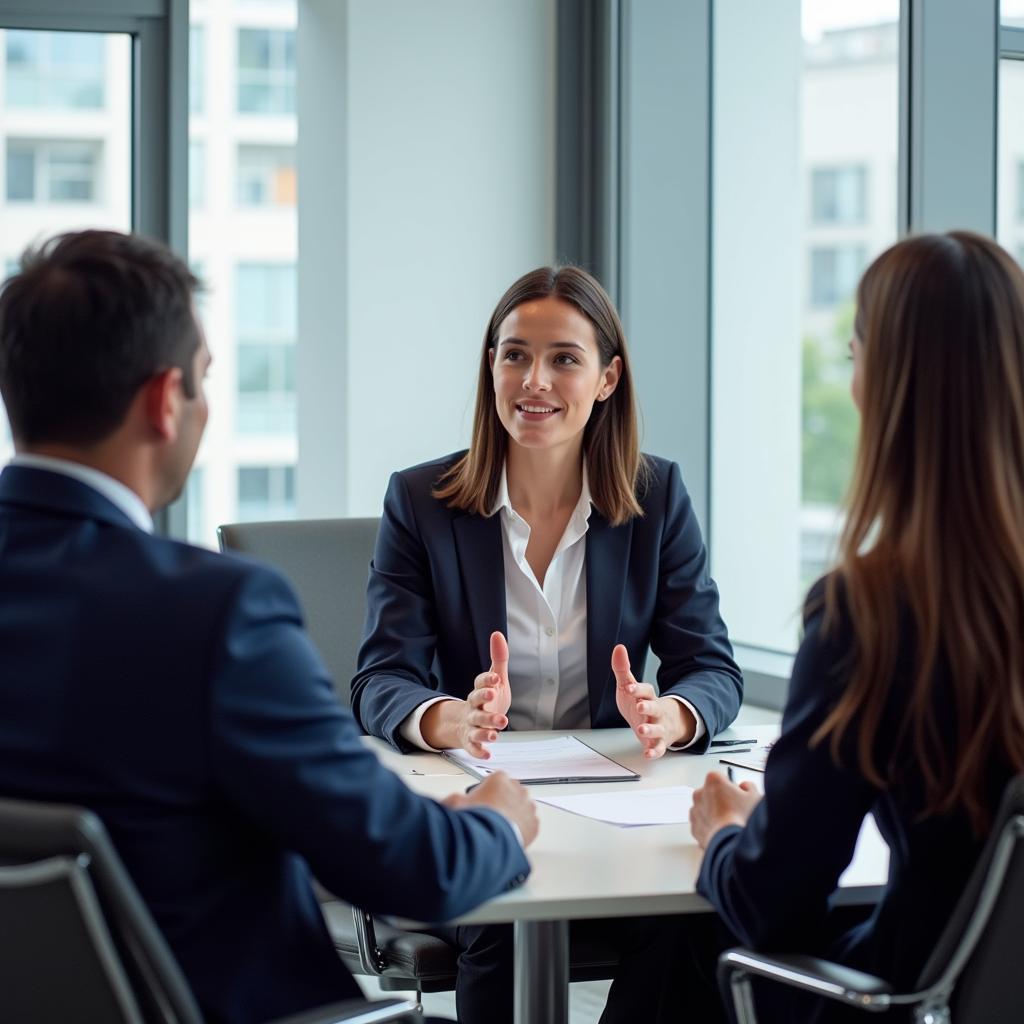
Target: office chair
<point>327,561</point>
<point>972,976</point>
<point>78,943</point>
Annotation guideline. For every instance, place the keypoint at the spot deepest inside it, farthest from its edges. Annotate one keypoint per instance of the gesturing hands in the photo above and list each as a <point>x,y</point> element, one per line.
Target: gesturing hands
<point>657,722</point>
<point>478,719</point>
<point>719,803</point>
<point>488,702</point>
<point>504,795</point>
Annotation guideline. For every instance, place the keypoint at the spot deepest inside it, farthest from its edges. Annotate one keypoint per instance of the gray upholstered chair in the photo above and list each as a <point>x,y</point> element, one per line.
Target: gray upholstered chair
<point>973,975</point>
<point>327,561</point>
<point>77,943</point>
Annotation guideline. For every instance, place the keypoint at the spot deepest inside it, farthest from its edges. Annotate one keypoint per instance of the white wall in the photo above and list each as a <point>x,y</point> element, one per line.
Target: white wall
<point>443,117</point>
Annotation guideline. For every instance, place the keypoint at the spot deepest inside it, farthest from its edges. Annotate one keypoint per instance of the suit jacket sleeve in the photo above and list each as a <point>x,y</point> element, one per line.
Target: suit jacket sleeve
<point>400,636</point>
<point>285,752</point>
<point>771,881</point>
<point>688,634</point>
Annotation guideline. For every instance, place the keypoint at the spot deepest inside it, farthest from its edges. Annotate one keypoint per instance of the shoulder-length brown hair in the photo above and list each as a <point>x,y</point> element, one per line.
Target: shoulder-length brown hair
<point>935,522</point>
<point>611,438</point>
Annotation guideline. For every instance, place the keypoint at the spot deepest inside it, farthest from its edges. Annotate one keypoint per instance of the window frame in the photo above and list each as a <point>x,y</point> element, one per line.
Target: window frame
<point>159,118</point>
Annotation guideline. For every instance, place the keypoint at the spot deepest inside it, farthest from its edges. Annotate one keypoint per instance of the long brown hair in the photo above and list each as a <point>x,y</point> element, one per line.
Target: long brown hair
<point>935,523</point>
<point>611,438</point>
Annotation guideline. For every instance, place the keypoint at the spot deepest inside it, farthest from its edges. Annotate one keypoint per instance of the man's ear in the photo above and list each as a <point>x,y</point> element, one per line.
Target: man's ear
<point>162,402</point>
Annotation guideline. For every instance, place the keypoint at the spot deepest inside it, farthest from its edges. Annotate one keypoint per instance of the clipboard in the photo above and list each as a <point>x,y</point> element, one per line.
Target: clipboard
<point>564,750</point>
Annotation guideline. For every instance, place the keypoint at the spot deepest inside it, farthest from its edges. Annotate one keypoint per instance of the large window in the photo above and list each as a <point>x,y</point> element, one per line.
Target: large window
<point>243,239</point>
<point>55,70</point>
<point>804,197</point>
<point>65,134</point>
<point>266,71</point>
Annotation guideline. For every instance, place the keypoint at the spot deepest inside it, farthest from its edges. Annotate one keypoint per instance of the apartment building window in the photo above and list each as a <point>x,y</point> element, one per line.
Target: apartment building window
<point>265,317</point>
<point>266,176</point>
<point>839,195</point>
<point>266,493</point>
<point>196,69</point>
<point>835,271</point>
<point>53,171</point>
<point>266,71</point>
<point>55,70</point>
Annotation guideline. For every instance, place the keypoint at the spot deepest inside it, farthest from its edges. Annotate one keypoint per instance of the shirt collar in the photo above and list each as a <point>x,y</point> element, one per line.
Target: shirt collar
<point>113,490</point>
<point>581,513</point>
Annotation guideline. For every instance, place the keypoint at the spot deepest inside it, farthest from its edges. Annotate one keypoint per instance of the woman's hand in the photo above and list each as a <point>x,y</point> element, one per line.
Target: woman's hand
<point>478,719</point>
<point>657,722</point>
<point>719,803</point>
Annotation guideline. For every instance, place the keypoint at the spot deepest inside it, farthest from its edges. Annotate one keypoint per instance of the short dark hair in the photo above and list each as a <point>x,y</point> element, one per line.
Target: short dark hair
<point>90,317</point>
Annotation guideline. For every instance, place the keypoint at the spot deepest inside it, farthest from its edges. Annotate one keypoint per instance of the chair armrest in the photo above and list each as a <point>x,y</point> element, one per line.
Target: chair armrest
<point>357,1011</point>
<point>823,978</point>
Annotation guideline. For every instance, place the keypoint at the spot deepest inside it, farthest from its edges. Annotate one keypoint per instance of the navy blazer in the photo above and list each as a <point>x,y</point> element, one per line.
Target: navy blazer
<point>773,882</point>
<point>437,591</point>
<point>174,692</point>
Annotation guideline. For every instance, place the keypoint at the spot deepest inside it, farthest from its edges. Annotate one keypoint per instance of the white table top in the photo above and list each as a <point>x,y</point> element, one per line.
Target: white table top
<point>585,868</point>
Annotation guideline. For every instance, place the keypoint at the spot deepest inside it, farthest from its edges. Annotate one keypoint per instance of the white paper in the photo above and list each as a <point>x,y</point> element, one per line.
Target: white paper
<point>563,757</point>
<point>669,805</point>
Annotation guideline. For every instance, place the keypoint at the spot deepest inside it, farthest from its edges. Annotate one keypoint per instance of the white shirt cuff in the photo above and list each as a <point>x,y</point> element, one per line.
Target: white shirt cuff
<point>701,728</point>
<point>410,727</point>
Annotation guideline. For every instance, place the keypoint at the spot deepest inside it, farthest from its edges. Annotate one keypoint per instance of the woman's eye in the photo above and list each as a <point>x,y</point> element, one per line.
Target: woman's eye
<point>512,356</point>
<point>564,359</point>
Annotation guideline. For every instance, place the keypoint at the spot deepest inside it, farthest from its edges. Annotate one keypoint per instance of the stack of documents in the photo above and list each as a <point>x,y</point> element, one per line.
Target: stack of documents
<point>562,759</point>
<point>669,805</point>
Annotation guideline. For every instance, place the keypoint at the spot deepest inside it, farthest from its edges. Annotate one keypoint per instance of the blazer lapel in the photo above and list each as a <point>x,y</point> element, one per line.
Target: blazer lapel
<point>607,566</point>
<point>482,567</point>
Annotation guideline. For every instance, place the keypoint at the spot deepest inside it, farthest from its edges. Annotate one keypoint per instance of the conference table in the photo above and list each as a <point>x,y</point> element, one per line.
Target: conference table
<point>583,868</point>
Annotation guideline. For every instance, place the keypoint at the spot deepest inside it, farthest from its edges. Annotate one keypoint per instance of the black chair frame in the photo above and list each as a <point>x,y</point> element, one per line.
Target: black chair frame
<point>934,1000</point>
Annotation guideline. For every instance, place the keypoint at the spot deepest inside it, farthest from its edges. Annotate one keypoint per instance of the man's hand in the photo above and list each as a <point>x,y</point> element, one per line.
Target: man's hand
<point>719,803</point>
<point>507,797</point>
<point>657,722</point>
<point>477,720</point>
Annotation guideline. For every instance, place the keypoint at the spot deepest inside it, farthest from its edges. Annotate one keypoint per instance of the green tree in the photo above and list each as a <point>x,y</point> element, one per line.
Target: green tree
<point>830,421</point>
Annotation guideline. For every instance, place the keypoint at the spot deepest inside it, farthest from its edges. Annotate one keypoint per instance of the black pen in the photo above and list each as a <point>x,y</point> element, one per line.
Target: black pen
<point>729,774</point>
<point>730,743</point>
<point>469,789</point>
<point>745,750</point>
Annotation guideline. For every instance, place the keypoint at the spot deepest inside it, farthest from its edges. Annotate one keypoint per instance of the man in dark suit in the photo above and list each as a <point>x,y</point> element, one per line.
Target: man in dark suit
<point>173,690</point>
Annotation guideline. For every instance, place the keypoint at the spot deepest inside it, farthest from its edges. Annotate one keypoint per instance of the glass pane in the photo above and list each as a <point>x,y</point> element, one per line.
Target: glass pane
<point>821,130</point>
<point>55,70</point>
<point>1010,158</point>
<point>242,137</point>
<point>65,127</point>
<point>1011,12</point>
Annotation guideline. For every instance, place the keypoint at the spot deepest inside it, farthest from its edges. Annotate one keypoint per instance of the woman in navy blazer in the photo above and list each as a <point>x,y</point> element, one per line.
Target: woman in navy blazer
<point>437,591</point>
<point>907,696</point>
<point>553,531</point>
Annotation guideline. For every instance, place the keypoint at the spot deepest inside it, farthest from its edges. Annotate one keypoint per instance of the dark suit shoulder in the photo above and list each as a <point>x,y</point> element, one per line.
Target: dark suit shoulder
<point>214,578</point>
<point>423,477</point>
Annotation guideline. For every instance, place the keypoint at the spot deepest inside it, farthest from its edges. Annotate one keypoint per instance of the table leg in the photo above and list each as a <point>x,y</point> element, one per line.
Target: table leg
<point>542,972</point>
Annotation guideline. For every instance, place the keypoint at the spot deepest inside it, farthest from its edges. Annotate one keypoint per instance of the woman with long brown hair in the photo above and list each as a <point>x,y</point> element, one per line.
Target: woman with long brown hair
<point>519,584</point>
<point>907,695</point>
